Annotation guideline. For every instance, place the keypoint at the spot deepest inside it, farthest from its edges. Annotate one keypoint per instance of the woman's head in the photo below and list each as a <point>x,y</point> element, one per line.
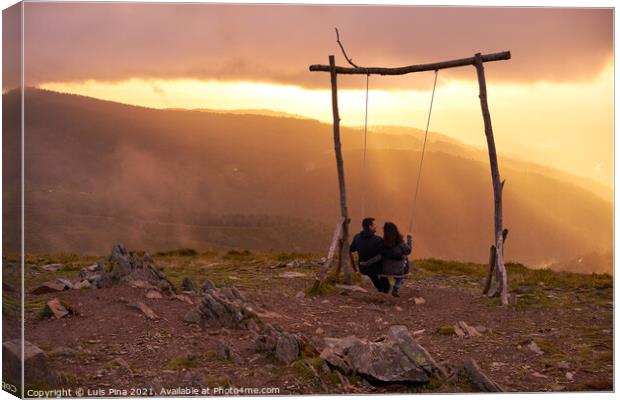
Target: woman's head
<point>391,235</point>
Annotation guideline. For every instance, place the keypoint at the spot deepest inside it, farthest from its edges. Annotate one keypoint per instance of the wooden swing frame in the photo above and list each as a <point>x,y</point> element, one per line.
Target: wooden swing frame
<point>340,240</point>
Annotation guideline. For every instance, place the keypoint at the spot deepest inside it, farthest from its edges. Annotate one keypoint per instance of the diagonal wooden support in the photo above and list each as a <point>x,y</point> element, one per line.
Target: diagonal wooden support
<point>320,277</point>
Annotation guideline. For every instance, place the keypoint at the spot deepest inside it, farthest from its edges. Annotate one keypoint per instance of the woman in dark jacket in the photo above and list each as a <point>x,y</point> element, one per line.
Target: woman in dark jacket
<point>394,256</point>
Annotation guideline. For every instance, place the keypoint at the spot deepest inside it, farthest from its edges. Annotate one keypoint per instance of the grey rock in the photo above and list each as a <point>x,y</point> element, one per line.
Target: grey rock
<point>287,348</point>
<point>221,308</point>
<point>482,329</point>
<point>121,266</point>
<point>51,267</point>
<point>295,263</point>
<point>85,284</point>
<point>208,285</point>
<point>265,343</point>
<point>222,351</point>
<point>397,358</point>
<point>36,366</point>
<point>534,348</point>
<point>188,285</point>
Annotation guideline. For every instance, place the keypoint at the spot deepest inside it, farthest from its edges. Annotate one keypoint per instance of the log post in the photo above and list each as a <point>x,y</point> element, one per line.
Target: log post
<point>344,250</point>
<point>497,183</point>
<point>491,271</point>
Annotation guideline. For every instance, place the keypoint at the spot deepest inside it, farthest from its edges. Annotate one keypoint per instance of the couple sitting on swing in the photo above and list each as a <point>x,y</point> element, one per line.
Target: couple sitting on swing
<point>385,255</point>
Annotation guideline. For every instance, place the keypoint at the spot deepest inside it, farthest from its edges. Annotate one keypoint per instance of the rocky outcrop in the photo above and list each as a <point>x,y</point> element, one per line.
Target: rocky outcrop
<point>122,266</point>
<point>223,307</point>
<point>395,358</point>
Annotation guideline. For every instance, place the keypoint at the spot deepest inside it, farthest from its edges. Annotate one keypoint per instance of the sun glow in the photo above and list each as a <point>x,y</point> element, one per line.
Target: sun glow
<point>564,125</point>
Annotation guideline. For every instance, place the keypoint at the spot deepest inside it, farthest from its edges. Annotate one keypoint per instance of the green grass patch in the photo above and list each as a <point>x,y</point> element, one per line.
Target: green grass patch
<point>322,289</point>
<point>548,347</point>
<point>182,362</point>
<point>44,313</point>
<point>182,252</point>
<point>446,330</point>
<point>451,268</point>
<point>300,368</point>
<point>243,255</point>
<point>520,275</point>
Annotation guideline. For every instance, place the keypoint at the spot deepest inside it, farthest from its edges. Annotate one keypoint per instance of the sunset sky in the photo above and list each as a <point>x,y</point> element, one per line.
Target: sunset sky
<point>552,103</point>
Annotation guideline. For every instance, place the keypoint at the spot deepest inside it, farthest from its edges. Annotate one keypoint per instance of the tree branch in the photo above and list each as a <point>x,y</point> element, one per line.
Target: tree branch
<point>349,60</point>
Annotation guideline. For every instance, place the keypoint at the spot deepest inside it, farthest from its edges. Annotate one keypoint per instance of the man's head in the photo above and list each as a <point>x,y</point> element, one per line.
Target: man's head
<point>369,224</point>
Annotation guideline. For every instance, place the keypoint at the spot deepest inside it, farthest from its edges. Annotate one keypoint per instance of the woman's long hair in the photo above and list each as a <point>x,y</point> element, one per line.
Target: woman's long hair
<point>391,236</point>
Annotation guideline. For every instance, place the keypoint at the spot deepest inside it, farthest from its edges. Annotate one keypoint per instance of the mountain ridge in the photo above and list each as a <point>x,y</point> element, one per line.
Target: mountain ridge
<point>141,162</point>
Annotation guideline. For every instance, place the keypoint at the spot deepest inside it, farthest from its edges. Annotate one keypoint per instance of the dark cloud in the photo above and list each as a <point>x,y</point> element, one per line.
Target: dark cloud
<point>277,43</point>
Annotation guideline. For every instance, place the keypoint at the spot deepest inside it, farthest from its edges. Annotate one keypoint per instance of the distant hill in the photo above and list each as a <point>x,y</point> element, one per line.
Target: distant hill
<point>100,172</point>
<point>264,112</point>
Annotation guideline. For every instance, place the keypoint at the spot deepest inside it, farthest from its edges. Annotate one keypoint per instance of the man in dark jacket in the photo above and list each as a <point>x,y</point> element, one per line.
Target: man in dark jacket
<point>368,245</point>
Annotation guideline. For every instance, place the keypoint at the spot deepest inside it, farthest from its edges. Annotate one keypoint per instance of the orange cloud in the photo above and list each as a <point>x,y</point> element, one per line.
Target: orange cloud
<point>277,43</point>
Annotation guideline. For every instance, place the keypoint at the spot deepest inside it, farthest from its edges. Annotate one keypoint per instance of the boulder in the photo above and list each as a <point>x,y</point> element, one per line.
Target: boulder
<point>37,370</point>
<point>188,285</point>
<point>284,346</point>
<point>396,358</point>
<point>221,308</point>
<point>287,347</point>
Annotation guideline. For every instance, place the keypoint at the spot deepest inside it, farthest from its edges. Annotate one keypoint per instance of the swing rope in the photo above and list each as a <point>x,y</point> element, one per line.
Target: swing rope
<point>364,157</point>
<point>417,184</point>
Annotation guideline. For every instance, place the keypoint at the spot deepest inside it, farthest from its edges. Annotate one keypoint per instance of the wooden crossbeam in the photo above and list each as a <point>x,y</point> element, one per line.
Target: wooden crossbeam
<point>504,55</point>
